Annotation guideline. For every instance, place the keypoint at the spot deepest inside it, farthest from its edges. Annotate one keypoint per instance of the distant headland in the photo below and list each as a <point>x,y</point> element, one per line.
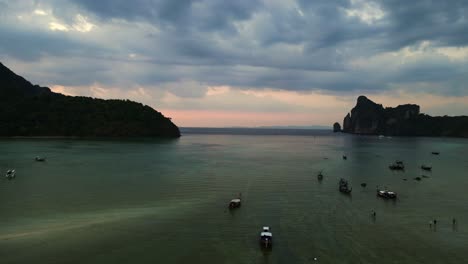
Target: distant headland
<point>28,110</point>
<point>369,118</point>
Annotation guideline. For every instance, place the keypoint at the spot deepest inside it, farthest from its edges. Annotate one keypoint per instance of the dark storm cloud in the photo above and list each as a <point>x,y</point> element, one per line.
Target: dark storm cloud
<point>32,45</point>
<point>188,28</point>
<point>444,22</point>
<point>444,77</point>
<point>138,9</point>
<point>178,14</point>
<point>293,45</point>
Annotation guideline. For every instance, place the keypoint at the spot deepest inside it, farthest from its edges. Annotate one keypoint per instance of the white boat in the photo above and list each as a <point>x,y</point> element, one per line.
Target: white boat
<point>10,174</point>
<point>386,194</point>
<point>235,203</point>
<point>266,238</point>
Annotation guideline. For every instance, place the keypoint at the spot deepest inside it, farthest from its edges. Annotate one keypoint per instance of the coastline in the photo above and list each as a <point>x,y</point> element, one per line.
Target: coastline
<point>404,136</point>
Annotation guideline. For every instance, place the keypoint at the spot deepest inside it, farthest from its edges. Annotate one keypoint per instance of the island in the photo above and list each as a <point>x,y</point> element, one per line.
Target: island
<point>28,110</point>
<point>369,118</point>
<point>336,127</point>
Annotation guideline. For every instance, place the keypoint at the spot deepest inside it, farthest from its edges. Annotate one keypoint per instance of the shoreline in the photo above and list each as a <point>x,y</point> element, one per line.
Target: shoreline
<point>404,136</point>
<point>87,138</point>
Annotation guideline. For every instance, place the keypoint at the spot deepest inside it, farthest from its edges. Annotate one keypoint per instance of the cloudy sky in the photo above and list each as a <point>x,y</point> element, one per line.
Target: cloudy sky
<point>244,62</point>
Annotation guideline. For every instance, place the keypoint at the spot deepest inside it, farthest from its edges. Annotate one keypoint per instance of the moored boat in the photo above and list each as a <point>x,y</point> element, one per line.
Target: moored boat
<point>40,159</point>
<point>426,168</point>
<point>398,165</point>
<point>344,187</point>
<point>386,194</point>
<point>320,176</point>
<point>266,238</point>
<point>10,174</point>
<point>235,203</point>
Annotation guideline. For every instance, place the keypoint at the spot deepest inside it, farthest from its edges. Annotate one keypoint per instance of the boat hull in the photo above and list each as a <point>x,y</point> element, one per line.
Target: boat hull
<point>234,206</point>
<point>266,243</point>
<point>386,195</point>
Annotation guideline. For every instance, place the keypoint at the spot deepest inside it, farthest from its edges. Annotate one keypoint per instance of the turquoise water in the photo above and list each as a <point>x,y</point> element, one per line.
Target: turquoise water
<point>165,201</point>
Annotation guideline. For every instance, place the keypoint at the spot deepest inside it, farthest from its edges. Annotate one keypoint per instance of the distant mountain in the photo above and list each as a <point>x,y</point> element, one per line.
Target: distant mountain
<point>293,127</point>
<point>31,110</point>
<point>370,118</point>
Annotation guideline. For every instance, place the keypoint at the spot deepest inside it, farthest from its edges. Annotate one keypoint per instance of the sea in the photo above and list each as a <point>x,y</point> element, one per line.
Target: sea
<point>166,200</point>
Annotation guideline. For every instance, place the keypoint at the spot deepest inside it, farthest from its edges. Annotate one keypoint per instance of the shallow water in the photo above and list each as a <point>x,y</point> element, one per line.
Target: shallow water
<point>165,201</point>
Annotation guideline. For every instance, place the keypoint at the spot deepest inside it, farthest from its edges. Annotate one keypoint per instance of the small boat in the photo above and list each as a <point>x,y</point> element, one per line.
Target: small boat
<point>398,165</point>
<point>320,176</point>
<point>40,159</point>
<point>426,168</point>
<point>386,194</point>
<point>345,157</point>
<point>343,186</point>
<point>435,152</point>
<point>10,174</point>
<point>266,238</point>
<point>235,203</point>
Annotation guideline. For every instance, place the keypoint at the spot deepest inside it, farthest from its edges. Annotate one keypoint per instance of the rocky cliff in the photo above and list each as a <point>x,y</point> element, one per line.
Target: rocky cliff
<point>31,110</point>
<point>336,127</point>
<point>369,118</point>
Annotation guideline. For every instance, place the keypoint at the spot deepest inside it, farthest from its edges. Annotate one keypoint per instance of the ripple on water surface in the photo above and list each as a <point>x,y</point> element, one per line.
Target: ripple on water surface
<point>166,201</point>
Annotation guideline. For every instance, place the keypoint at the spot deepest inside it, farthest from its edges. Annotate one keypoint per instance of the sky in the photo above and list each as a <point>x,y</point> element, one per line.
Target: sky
<point>213,63</point>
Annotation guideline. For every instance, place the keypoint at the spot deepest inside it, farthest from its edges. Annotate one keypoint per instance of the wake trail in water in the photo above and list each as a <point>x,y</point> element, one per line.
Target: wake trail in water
<point>84,220</point>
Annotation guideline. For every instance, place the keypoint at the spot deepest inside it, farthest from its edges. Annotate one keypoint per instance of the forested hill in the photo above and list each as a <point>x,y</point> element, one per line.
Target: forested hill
<point>31,110</point>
